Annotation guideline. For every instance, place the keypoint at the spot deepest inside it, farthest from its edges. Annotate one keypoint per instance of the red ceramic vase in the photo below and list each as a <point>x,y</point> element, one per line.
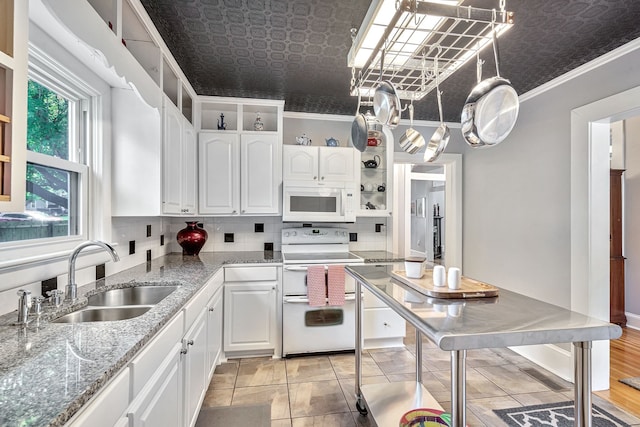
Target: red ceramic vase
<point>192,238</point>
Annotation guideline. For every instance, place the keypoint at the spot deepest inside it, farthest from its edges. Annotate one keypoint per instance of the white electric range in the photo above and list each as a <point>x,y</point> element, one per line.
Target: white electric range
<point>307,329</point>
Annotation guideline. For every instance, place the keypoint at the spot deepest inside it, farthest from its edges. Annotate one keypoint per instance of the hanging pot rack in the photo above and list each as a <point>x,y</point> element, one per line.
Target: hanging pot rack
<point>405,53</point>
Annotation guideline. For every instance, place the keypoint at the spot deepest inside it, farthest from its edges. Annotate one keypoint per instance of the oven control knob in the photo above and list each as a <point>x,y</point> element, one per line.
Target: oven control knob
<point>286,234</point>
<point>294,233</point>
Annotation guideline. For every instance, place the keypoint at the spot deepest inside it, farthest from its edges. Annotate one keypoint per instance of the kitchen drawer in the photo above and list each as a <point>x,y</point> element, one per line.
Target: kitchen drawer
<point>250,274</point>
<point>107,407</point>
<point>196,304</point>
<point>146,363</point>
<point>382,323</point>
<point>372,301</point>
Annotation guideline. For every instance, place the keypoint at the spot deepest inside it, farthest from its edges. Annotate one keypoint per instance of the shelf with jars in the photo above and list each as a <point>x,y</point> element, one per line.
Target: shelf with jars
<point>376,175</point>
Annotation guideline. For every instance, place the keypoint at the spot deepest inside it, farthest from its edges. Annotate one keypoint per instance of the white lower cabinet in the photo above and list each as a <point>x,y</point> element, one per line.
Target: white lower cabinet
<point>195,361</point>
<point>250,310</point>
<point>107,408</point>
<point>159,402</point>
<point>165,384</point>
<point>214,330</point>
<point>381,326</point>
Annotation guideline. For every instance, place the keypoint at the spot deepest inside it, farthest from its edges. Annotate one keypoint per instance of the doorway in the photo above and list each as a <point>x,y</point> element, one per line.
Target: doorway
<point>590,165</point>
<point>446,172</point>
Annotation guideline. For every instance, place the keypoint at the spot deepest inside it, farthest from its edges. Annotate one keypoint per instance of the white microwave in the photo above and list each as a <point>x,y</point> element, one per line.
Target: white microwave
<point>308,202</point>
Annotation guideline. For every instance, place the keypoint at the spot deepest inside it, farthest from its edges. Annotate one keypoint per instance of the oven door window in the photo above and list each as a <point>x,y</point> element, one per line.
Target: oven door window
<point>324,204</point>
<point>324,317</point>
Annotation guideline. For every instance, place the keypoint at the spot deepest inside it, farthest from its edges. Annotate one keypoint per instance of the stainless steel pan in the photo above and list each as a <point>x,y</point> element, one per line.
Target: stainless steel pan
<point>491,109</point>
<point>386,105</point>
<point>440,138</point>
<point>411,141</point>
<point>359,132</point>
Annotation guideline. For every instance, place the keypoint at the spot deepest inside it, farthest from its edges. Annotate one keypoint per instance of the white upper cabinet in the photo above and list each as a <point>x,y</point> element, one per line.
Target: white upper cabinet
<point>300,163</point>
<point>260,174</point>
<point>319,164</point>
<point>240,150</point>
<point>180,170</point>
<point>219,157</point>
<point>336,164</point>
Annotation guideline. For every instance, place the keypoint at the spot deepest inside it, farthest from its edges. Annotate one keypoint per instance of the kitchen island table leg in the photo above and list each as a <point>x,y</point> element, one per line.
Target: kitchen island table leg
<point>418,357</point>
<point>359,400</point>
<point>582,383</point>
<point>458,388</point>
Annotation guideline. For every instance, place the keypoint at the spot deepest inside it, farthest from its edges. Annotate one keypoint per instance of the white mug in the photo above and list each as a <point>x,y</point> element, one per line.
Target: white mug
<point>438,275</point>
<point>453,278</point>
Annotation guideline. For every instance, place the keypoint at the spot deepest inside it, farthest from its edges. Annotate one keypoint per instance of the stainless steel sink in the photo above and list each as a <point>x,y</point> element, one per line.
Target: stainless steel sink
<point>138,295</point>
<point>101,314</point>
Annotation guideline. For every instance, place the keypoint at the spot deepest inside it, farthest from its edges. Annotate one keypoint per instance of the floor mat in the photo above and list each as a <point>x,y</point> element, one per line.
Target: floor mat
<point>632,382</point>
<point>555,415</point>
<point>235,416</point>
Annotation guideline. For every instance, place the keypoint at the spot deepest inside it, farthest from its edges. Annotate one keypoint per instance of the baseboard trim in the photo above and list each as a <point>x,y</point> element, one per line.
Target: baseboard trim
<point>551,357</point>
<point>633,321</point>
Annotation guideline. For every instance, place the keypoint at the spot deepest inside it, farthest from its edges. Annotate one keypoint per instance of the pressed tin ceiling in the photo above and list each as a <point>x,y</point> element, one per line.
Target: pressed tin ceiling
<point>297,50</point>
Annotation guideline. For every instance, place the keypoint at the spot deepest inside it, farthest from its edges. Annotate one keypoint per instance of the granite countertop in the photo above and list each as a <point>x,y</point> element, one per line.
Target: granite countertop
<point>49,370</point>
<point>376,257</point>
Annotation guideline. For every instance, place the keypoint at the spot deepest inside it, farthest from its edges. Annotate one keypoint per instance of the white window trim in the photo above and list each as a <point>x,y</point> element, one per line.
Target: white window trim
<point>46,70</point>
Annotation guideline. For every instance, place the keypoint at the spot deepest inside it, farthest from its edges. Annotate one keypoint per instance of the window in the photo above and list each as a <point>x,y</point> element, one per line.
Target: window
<point>56,173</point>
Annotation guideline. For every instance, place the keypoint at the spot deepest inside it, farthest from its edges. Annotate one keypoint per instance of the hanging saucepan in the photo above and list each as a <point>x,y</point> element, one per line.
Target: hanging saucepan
<point>440,138</point>
<point>386,103</point>
<point>359,133</point>
<point>412,140</point>
<point>491,109</point>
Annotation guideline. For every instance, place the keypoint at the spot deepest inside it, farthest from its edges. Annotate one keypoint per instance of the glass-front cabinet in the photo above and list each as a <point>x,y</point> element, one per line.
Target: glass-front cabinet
<point>376,175</point>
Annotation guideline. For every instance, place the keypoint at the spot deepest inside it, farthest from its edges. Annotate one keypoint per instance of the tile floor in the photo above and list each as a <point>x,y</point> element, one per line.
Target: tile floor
<point>319,390</point>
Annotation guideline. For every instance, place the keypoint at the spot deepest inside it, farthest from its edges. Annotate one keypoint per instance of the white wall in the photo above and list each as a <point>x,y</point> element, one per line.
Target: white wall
<point>632,215</point>
<point>517,194</point>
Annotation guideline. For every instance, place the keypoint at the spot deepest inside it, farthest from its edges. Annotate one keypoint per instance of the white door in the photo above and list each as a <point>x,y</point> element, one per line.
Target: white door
<point>214,331</point>
<point>196,374</point>
<point>172,162</point>
<point>189,169</point>
<point>219,191</point>
<point>336,164</point>
<point>159,403</point>
<point>261,179</point>
<point>249,316</point>
<point>300,163</point>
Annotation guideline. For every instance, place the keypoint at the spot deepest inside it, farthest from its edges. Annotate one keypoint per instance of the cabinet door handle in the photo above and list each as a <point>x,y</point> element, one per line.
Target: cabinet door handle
<point>211,308</point>
<point>190,342</point>
<point>315,177</point>
<point>184,351</point>
<point>322,178</point>
<point>243,211</point>
<point>234,212</point>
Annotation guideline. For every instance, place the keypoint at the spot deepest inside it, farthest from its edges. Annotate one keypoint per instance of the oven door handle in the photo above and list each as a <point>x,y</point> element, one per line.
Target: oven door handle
<point>304,300</point>
<point>302,268</point>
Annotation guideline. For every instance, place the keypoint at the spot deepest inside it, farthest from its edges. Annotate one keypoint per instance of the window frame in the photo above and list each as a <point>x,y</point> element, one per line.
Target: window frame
<point>85,101</point>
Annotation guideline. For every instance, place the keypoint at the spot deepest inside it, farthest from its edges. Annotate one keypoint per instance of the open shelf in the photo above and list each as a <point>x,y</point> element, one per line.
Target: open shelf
<point>107,11</point>
<point>187,105</point>
<point>211,115</point>
<point>268,116</point>
<point>169,82</point>
<point>139,42</point>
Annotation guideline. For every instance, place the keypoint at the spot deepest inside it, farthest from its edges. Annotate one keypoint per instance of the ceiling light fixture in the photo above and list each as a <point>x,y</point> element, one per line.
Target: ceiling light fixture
<point>398,41</point>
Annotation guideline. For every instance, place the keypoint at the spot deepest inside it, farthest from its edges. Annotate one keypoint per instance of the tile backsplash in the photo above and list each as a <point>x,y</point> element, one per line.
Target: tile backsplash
<point>252,233</point>
<point>155,237</point>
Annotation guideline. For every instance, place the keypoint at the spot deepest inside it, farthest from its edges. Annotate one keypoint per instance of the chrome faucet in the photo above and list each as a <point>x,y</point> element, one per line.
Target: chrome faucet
<point>24,304</point>
<point>71,290</point>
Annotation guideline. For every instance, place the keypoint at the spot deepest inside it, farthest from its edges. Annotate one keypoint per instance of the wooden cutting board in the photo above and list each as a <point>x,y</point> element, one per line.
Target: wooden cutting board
<point>469,288</point>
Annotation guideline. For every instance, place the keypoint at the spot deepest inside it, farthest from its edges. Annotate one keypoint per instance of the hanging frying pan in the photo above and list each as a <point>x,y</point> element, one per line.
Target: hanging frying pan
<point>440,138</point>
<point>411,141</point>
<point>491,109</point>
<point>386,103</point>
<point>359,133</point>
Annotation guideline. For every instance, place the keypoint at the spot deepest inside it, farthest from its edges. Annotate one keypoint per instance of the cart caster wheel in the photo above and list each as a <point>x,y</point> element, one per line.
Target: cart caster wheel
<point>363,411</point>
